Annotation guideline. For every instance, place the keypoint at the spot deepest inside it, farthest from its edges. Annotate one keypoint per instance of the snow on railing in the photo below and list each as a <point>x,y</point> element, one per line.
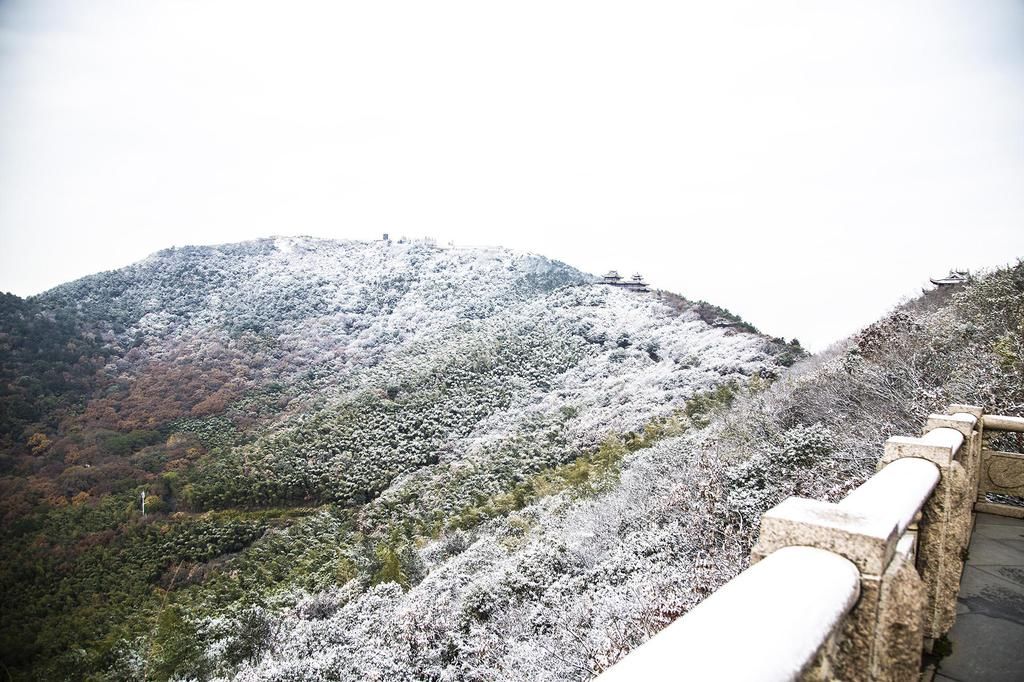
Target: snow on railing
<point>896,492</point>
<point>854,590</point>
<point>766,624</point>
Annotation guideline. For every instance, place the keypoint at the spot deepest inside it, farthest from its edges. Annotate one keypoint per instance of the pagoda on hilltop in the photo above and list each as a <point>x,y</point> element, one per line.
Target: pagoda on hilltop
<point>635,283</point>
<point>954,278</point>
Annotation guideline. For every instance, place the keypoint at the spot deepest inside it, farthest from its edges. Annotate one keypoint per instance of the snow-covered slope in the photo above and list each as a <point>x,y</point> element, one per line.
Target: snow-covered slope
<point>312,414</point>
<point>387,358</point>
<point>562,588</point>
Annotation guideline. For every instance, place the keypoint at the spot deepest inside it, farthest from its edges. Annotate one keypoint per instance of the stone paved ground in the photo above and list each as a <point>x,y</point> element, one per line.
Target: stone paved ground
<point>988,637</point>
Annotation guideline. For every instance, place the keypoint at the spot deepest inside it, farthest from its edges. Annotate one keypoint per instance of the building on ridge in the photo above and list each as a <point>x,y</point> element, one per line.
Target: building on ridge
<point>954,278</point>
<point>635,283</point>
<point>612,277</point>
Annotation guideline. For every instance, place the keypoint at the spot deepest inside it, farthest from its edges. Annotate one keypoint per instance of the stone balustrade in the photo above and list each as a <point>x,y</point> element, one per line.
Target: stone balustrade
<point>1000,473</point>
<point>854,590</point>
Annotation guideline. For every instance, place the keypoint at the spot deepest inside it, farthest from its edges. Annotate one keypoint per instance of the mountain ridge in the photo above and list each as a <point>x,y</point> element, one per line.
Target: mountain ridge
<point>395,392</point>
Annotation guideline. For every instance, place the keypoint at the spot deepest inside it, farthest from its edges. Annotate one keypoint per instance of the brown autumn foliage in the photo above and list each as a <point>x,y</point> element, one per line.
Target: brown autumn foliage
<point>39,443</point>
<point>161,392</point>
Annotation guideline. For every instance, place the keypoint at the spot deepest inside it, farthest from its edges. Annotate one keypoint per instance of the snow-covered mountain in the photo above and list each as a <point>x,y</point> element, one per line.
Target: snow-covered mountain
<point>309,416</point>
<point>561,588</point>
<point>384,461</point>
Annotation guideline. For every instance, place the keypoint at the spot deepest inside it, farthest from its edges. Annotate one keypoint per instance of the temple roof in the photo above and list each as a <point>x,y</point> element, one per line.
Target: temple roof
<point>954,277</point>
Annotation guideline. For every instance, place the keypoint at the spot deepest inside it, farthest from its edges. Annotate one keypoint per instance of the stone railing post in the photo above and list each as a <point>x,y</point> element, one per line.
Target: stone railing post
<point>970,456</point>
<point>953,443</point>
<point>880,638</point>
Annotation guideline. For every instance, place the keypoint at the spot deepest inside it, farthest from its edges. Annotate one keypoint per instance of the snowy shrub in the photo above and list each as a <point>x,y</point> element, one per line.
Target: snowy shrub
<point>768,477</point>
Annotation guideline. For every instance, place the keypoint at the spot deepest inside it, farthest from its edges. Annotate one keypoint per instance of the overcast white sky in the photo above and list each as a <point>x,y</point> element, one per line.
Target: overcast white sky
<point>805,164</point>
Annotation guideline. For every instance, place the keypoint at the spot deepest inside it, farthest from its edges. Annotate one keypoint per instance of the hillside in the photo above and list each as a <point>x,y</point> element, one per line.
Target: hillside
<point>320,428</point>
<point>562,588</point>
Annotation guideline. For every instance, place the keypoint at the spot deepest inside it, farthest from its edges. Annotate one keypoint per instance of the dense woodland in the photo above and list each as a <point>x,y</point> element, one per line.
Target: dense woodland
<point>398,462</point>
<point>306,417</point>
<point>562,588</point>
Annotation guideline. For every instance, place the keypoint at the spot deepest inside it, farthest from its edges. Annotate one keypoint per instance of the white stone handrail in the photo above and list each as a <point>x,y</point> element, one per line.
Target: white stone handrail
<point>939,445</point>
<point>897,492</point>
<point>854,590</point>
<point>766,624</point>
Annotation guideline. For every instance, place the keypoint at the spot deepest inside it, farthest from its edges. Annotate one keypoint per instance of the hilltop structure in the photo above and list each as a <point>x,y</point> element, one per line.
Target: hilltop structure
<point>954,278</point>
<point>635,283</point>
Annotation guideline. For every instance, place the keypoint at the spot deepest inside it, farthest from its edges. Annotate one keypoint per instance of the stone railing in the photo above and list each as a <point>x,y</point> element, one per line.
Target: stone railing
<point>855,590</point>
<point>1001,473</point>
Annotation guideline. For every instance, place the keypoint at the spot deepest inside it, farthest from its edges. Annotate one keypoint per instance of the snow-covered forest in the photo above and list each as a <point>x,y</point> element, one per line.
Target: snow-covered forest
<point>564,587</point>
<point>317,420</point>
<point>381,461</point>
